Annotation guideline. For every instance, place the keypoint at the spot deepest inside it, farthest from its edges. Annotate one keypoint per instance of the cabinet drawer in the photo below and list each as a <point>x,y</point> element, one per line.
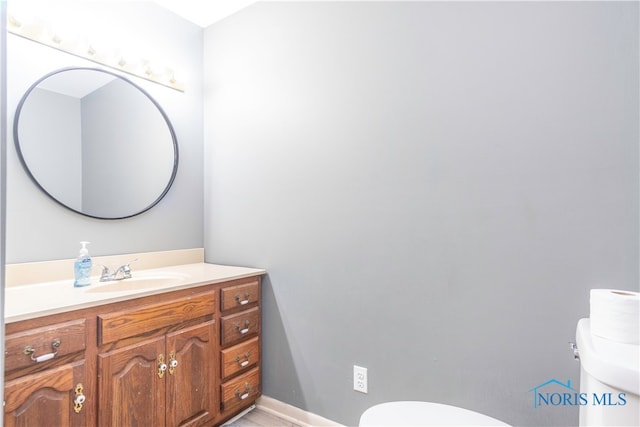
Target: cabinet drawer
<point>137,321</point>
<point>240,357</point>
<point>42,344</point>
<point>244,389</point>
<point>240,295</point>
<point>236,327</point>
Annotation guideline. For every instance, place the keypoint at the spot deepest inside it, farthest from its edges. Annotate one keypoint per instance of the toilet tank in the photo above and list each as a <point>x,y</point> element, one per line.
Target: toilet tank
<point>609,380</point>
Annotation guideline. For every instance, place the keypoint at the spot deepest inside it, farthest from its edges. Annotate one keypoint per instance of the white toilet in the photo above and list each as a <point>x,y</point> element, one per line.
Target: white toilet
<point>408,413</point>
<point>610,369</point>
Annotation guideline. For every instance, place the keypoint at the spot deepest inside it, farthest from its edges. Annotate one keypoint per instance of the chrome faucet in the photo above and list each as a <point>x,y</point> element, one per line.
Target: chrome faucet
<point>120,273</point>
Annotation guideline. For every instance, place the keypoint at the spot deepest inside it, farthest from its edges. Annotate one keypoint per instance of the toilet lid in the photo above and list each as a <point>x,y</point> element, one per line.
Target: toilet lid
<point>423,414</point>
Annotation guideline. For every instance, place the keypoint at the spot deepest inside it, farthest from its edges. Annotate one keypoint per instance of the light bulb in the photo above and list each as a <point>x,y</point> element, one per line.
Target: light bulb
<point>14,22</point>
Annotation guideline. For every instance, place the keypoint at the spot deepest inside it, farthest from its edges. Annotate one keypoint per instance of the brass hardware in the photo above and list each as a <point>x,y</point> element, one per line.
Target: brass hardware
<point>243,330</point>
<point>245,300</point>
<point>245,362</point>
<point>30,351</point>
<point>80,398</point>
<point>247,391</point>
<point>162,367</point>
<point>173,363</point>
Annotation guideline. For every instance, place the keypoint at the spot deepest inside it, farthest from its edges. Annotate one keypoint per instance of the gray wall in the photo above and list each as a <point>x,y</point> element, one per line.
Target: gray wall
<point>120,138</point>
<point>55,118</point>
<point>38,228</point>
<point>433,188</point>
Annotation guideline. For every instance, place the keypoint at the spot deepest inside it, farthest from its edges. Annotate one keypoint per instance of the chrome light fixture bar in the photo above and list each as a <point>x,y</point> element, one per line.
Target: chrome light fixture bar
<point>44,33</point>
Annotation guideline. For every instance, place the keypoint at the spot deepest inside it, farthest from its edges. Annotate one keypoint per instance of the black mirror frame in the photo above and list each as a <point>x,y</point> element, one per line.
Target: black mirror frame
<point>145,93</point>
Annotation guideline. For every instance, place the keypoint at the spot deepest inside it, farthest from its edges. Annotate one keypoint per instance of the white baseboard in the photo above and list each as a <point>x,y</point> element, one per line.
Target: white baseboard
<point>293,414</point>
<point>232,420</point>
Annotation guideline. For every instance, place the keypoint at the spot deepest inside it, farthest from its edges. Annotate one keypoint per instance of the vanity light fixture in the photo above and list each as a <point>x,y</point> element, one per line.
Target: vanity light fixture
<point>13,22</point>
<point>40,32</point>
<point>147,68</point>
<point>172,79</point>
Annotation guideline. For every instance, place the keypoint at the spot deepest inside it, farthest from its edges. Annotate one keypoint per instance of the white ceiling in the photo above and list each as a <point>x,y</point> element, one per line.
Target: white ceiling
<point>200,12</point>
<point>69,84</point>
<point>206,12</point>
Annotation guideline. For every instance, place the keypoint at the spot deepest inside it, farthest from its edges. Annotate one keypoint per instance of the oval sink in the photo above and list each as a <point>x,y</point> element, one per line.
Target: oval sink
<point>141,282</point>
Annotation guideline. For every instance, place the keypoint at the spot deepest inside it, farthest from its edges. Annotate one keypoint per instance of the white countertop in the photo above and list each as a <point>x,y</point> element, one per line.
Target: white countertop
<point>42,299</point>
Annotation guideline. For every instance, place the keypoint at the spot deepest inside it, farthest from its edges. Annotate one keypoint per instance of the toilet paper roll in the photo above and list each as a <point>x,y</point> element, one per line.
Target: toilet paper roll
<point>615,315</point>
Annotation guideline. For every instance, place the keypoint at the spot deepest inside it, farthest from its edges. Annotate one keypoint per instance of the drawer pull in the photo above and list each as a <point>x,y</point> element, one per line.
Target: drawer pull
<point>244,330</point>
<point>79,400</point>
<point>247,390</point>
<point>245,301</point>
<point>244,362</point>
<point>30,351</point>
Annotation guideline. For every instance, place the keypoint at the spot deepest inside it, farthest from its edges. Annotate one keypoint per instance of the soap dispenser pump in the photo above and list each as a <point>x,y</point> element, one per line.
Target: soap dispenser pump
<point>82,267</point>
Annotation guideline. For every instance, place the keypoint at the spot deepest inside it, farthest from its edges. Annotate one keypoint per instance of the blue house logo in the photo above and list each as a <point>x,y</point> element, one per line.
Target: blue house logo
<point>545,398</point>
<point>557,393</point>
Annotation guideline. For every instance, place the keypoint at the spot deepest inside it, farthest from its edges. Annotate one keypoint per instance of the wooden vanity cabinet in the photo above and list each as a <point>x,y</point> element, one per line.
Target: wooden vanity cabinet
<point>45,375</point>
<point>142,379</point>
<point>129,389</point>
<point>240,326</point>
<point>167,377</point>
<point>150,361</point>
<point>46,398</point>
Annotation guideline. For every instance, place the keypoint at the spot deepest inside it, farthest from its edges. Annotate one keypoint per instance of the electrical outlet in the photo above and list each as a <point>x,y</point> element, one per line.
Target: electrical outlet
<point>360,382</point>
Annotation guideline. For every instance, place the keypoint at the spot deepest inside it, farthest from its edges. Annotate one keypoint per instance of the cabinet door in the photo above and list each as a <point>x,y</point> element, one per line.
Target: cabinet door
<point>130,387</point>
<point>45,398</point>
<point>191,389</point>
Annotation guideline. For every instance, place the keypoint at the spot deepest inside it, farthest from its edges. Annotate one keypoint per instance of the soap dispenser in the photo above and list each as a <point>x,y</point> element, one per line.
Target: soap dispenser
<point>82,267</point>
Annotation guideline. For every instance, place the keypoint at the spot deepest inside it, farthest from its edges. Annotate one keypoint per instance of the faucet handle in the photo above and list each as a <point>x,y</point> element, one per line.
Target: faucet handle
<point>127,266</point>
<point>126,269</point>
<point>104,276</point>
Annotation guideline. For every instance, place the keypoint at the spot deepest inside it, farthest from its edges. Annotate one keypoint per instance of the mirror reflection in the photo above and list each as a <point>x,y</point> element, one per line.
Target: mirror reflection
<point>96,143</point>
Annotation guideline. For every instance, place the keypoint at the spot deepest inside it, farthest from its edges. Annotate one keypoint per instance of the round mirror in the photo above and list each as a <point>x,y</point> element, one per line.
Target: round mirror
<point>96,143</point>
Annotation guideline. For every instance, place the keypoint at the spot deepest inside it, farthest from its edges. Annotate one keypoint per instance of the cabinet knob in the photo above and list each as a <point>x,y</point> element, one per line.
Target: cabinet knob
<point>173,363</point>
<point>79,399</point>
<point>162,367</point>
